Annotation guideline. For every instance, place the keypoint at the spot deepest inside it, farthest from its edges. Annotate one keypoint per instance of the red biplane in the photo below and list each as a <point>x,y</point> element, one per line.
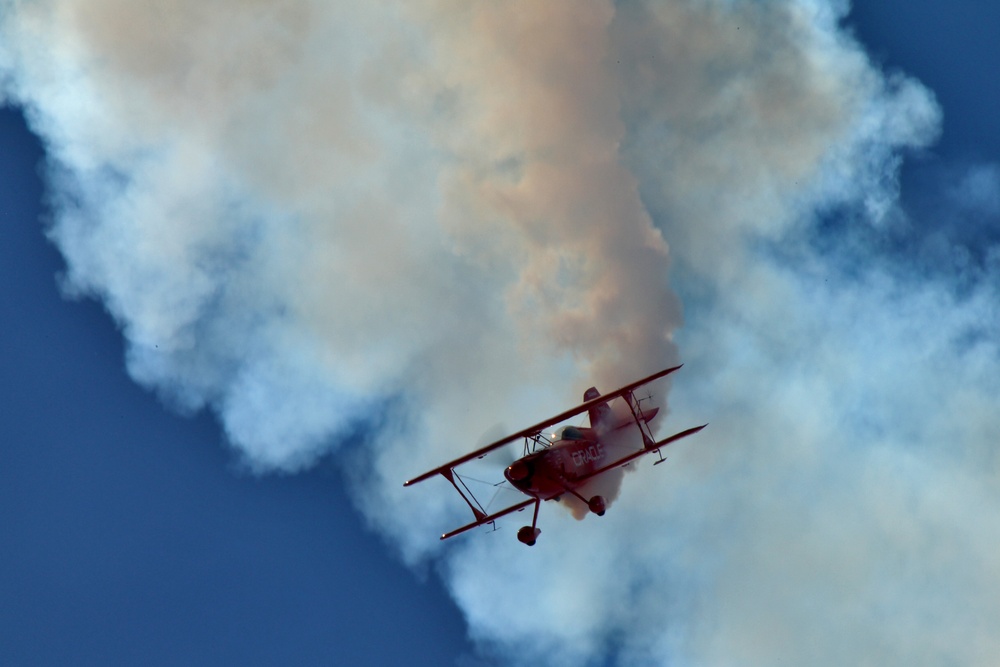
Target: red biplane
<point>564,461</point>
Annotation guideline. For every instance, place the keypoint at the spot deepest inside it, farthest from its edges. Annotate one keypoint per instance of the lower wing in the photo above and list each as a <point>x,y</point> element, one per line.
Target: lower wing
<point>652,447</point>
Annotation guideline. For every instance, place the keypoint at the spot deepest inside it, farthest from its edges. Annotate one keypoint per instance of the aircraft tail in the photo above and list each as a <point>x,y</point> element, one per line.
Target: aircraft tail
<point>599,412</point>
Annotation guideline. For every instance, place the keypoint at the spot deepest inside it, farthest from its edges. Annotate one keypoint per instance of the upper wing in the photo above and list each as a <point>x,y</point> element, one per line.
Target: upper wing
<point>537,428</point>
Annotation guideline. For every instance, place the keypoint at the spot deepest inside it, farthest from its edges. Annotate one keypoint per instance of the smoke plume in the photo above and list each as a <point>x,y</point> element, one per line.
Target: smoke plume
<point>423,217</point>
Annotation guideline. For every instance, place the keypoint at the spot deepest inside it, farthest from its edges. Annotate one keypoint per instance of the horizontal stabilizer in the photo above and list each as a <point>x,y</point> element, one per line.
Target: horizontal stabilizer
<point>645,417</point>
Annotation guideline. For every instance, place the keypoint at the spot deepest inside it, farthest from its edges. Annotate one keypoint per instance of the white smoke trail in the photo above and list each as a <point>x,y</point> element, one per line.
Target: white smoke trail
<point>429,216</point>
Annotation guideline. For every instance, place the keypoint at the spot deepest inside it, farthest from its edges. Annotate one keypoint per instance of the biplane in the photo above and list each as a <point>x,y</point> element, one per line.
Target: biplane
<point>565,461</point>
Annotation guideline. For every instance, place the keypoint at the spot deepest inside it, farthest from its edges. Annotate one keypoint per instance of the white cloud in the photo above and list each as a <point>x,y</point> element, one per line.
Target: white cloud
<point>978,192</point>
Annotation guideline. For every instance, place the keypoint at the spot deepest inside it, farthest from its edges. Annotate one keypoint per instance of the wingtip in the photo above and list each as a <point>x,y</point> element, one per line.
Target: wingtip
<point>673,369</point>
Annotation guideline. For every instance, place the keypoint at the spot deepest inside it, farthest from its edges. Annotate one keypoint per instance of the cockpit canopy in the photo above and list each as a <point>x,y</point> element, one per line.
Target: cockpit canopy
<point>568,433</point>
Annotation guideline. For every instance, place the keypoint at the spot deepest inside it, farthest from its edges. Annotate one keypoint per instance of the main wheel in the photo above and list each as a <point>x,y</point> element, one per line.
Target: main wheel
<point>597,505</point>
<point>528,535</point>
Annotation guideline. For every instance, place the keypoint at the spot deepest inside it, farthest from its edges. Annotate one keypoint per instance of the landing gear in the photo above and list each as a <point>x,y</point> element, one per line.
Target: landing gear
<point>528,534</point>
<point>597,505</point>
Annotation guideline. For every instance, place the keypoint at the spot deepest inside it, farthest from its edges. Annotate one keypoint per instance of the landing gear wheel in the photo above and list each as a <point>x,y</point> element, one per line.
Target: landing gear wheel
<point>528,535</point>
<point>597,505</point>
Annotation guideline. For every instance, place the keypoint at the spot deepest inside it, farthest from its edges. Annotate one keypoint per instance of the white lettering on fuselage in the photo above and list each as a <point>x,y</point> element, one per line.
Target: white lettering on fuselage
<point>589,454</point>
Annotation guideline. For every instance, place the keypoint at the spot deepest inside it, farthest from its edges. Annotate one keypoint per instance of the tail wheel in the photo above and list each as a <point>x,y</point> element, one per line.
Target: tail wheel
<point>597,505</point>
<point>528,535</point>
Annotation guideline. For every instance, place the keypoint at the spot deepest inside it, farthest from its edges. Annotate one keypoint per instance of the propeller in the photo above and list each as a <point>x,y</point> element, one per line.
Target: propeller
<point>491,465</point>
<point>504,456</point>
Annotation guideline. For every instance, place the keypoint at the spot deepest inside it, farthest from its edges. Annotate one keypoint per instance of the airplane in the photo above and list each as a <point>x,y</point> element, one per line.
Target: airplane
<point>564,461</point>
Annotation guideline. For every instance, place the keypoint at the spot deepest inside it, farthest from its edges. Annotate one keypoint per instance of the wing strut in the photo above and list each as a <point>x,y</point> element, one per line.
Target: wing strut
<point>488,519</point>
<point>476,508</point>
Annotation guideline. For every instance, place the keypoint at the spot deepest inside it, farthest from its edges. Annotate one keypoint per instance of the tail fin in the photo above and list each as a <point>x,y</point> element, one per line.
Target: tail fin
<point>599,411</point>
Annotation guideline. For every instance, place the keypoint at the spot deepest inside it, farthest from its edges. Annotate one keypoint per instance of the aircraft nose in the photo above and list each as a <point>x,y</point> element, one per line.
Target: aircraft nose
<point>518,472</point>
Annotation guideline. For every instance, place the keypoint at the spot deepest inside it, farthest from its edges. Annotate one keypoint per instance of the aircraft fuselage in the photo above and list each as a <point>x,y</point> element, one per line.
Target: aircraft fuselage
<point>554,471</point>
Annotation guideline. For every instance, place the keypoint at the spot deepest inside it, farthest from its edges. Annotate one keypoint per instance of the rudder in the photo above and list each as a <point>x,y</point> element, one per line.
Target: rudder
<point>599,411</point>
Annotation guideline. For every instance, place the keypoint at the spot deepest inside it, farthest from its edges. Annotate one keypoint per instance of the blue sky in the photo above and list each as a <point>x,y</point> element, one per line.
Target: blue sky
<point>129,537</point>
<point>132,534</point>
